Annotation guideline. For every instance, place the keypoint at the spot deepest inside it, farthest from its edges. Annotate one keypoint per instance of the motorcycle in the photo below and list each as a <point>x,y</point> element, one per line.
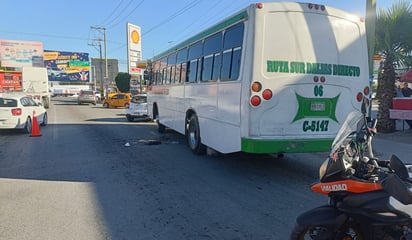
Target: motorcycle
<point>368,198</point>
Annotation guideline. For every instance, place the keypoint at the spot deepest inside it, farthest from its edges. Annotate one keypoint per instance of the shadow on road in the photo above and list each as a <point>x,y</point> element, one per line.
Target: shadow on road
<point>163,190</point>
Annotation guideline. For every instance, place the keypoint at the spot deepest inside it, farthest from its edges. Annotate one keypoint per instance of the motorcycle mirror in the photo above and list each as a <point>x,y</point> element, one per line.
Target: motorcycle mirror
<point>363,107</point>
<point>399,167</point>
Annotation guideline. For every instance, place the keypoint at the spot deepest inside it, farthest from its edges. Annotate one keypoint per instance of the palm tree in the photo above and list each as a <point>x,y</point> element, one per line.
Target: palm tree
<point>393,41</point>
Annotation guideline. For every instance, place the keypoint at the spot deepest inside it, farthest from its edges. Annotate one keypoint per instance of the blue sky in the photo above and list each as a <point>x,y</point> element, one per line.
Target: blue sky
<point>66,25</point>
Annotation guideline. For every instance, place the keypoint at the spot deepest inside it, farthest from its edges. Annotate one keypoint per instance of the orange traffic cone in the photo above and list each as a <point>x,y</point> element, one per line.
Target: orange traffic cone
<point>35,129</point>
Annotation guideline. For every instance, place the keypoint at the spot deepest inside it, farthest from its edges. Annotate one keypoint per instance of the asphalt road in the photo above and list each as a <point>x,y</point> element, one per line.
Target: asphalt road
<point>80,180</point>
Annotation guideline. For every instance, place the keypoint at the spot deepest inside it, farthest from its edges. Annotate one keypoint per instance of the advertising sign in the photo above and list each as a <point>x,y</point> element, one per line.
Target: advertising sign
<point>15,53</point>
<point>134,49</point>
<point>67,66</point>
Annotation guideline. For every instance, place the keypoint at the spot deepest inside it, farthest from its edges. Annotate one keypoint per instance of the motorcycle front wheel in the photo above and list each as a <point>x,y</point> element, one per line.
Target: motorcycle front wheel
<point>314,232</point>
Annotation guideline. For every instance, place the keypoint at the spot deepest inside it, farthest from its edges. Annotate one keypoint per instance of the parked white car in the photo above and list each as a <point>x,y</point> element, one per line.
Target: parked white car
<point>17,111</point>
<point>137,108</point>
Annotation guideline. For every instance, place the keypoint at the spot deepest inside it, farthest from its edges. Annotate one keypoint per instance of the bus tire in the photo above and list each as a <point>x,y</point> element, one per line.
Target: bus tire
<point>160,127</point>
<point>193,136</point>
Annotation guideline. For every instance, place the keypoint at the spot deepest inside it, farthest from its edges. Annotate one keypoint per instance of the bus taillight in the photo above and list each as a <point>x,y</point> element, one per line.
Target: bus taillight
<point>256,87</point>
<point>259,5</point>
<point>267,94</point>
<point>255,101</point>
<point>359,96</point>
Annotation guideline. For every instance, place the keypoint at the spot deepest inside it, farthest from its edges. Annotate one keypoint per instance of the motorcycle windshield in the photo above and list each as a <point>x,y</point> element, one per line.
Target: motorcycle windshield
<point>335,165</point>
<point>352,124</point>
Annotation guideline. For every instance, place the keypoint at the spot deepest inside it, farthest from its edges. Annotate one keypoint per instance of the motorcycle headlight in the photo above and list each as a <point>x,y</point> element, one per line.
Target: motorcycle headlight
<point>322,168</point>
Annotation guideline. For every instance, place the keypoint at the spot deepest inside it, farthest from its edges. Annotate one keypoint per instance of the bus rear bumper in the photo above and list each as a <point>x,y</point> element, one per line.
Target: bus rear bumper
<point>286,145</point>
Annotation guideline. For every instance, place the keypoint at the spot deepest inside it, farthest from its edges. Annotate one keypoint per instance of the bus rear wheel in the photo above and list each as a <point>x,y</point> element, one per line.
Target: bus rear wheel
<point>193,136</point>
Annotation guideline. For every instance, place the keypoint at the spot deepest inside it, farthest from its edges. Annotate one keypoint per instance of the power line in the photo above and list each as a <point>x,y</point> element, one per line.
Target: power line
<point>121,20</point>
<point>43,35</point>
<point>112,13</point>
<point>181,11</point>
<point>120,13</point>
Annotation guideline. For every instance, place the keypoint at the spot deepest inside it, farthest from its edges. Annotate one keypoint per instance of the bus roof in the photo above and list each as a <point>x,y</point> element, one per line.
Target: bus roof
<point>215,28</point>
<point>243,15</point>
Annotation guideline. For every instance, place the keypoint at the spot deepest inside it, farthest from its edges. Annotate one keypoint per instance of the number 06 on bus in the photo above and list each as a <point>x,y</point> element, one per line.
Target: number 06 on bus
<point>272,78</point>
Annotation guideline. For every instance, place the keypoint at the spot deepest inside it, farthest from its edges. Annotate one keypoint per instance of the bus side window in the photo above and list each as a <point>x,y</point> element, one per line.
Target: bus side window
<point>232,51</point>
<point>226,65</point>
<point>181,69</point>
<point>195,64</point>
<point>217,60</point>
<point>171,65</point>
<point>184,75</point>
<point>212,47</point>
<point>199,69</point>
<point>235,69</point>
<point>192,70</point>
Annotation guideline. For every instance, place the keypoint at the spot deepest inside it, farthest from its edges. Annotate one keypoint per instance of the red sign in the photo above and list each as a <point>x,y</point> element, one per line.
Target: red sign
<point>135,70</point>
<point>10,81</point>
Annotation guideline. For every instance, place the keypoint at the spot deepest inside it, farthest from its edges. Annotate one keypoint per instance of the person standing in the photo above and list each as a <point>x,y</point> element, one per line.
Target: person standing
<point>407,92</point>
<point>398,89</point>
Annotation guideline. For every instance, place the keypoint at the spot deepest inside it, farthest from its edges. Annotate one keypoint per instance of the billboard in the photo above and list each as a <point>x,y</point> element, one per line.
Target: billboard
<point>134,49</point>
<point>16,53</point>
<point>67,66</point>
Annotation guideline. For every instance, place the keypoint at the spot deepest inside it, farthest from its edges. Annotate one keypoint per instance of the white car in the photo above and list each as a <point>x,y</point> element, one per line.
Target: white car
<point>17,111</point>
<point>55,72</point>
<point>137,108</point>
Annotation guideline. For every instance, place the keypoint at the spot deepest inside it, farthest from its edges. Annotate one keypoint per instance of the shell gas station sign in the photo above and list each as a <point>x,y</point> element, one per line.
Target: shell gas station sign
<point>134,49</point>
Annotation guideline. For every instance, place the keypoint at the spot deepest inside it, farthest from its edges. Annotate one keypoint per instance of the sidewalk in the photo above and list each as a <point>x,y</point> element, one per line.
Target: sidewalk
<point>398,143</point>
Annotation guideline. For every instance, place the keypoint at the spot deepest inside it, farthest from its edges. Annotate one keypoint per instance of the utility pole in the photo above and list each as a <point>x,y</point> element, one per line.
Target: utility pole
<point>106,78</point>
<point>99,40</point>
<point>370,25</point>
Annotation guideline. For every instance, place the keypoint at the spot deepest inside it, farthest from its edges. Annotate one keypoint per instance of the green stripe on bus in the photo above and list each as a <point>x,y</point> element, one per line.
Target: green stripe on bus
<point>286,146</point>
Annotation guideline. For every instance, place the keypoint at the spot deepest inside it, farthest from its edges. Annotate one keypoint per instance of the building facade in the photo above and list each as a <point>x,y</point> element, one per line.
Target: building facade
<point>98,66</point>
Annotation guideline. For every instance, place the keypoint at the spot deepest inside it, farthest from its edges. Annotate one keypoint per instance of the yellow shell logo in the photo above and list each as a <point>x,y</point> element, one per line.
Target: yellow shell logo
<point>135,37</point>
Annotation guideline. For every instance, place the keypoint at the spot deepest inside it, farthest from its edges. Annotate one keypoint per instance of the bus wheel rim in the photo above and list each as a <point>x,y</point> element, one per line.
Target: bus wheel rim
<point>192,136</point>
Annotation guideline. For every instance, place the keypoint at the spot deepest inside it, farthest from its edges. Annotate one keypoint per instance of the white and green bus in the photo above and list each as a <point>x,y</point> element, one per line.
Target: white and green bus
<point>274,78</point>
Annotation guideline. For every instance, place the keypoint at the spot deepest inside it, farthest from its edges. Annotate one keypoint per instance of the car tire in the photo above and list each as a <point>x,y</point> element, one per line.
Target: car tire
<point>28,125</point>
<point>106,105</point>
<point>129,118</point>
<point>127,105</point>
<point>45,120</point>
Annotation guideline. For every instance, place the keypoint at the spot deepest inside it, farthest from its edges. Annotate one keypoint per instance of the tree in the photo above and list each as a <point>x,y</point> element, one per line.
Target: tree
<point>123,82</point>
<point>393,41</point>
